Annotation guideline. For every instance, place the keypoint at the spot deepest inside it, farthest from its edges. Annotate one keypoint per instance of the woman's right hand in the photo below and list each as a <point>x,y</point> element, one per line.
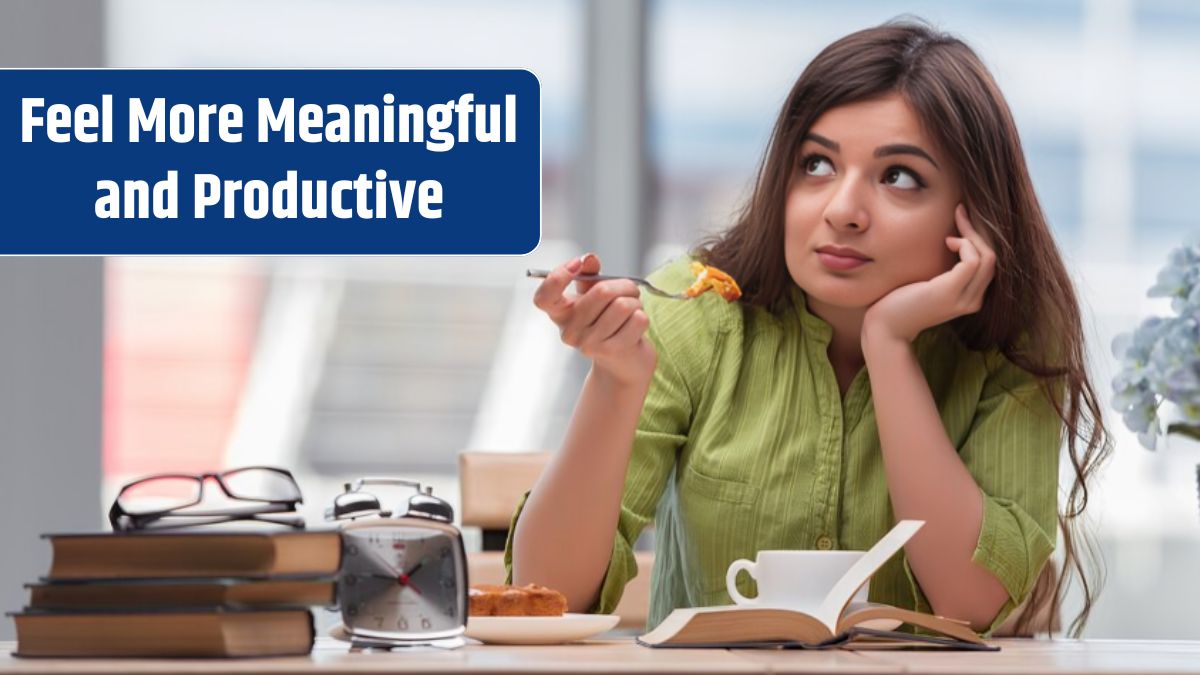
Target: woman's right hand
<point>604,321</point>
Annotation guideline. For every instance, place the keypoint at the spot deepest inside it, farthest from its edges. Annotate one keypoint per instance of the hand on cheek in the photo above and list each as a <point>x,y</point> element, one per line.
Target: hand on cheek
<point>904,312</point>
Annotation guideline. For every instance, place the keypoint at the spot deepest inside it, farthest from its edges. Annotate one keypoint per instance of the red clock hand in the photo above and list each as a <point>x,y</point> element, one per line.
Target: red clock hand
<point>405,577</point>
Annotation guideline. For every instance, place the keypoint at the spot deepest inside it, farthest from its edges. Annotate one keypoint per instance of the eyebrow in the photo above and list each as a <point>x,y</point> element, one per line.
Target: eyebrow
<point>881,151</point>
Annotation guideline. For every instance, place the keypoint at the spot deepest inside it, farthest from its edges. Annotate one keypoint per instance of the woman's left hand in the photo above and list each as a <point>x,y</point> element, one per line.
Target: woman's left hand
<point>906,311</point>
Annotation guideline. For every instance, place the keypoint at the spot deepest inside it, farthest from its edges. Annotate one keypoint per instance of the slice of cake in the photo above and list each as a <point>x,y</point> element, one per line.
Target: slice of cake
<point>531,600</point>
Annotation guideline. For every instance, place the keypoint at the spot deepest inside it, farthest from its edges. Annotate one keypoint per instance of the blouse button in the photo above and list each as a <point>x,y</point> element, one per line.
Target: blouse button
<point>824,543</point>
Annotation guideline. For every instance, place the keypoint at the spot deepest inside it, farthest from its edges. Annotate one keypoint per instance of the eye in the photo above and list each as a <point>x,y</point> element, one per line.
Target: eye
<point>817,165</point>
<point>903,178</point>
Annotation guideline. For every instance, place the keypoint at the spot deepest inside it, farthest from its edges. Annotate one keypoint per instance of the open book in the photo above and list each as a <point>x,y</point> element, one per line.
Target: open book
<point>835,622</point>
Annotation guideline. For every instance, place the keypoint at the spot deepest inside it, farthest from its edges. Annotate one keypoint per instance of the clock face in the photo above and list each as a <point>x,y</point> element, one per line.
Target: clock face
<point>402,582</point>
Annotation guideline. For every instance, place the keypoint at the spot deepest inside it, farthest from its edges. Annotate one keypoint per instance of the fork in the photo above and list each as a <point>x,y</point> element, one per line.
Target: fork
<point>541,274</point>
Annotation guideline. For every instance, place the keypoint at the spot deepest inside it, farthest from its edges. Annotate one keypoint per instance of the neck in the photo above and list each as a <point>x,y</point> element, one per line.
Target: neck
<point>845,347</point>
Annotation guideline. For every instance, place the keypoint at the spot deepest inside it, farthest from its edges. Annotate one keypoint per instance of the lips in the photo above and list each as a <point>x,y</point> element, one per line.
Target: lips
<point>841,258</point>
<point>844,252</point>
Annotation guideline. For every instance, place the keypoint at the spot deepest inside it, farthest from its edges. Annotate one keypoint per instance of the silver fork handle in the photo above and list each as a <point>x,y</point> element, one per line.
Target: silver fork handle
<point>542,274</point>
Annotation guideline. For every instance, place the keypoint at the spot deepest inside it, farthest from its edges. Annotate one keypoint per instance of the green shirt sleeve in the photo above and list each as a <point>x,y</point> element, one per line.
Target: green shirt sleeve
<point>1012,450</point>
<point>680,332</point>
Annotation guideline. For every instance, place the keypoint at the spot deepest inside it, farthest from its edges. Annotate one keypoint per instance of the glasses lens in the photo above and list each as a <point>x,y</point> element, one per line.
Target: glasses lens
<point>162,493</point>
<point>264,484</point>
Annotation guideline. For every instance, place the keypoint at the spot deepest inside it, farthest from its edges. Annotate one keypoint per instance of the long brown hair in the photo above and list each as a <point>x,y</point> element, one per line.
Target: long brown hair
<point>1030,313</point>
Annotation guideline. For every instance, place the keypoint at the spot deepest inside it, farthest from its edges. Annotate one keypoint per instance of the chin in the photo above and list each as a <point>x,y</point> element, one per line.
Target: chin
<point>842,293</point>
<point>848,292</point>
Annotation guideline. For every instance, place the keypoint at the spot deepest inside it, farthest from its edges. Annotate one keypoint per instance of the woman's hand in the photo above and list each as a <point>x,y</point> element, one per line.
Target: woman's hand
<point>906,311</point>
<point>604,321</point>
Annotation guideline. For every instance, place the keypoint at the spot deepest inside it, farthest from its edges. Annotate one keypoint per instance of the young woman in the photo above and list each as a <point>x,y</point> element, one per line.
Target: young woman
<point>908,346</point>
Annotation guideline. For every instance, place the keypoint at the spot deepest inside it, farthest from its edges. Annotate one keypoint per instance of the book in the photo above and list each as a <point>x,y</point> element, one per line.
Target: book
<point>194,554</point>
<point>834,623</point>
<point>218,632</point>
<point>160,593</point>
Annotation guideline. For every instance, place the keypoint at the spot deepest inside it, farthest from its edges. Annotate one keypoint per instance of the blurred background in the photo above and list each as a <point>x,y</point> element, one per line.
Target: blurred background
<point>655,115</point>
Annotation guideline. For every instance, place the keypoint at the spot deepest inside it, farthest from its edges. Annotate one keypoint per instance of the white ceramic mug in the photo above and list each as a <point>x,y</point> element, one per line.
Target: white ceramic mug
<point>793,579</point>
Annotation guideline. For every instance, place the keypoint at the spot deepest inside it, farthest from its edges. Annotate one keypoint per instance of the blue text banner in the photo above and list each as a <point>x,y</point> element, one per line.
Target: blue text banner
<point>270,162</point>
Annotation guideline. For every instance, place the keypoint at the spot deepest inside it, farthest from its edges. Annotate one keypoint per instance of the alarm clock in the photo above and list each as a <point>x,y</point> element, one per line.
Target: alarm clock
<point>403,578</point>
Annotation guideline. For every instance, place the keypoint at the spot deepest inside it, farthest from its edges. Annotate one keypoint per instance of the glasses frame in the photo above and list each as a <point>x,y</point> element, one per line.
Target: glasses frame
<point>124,521</point>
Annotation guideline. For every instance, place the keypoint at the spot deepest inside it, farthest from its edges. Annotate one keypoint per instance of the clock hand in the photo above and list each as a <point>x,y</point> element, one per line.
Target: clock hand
<point>405,577</point>
<point>402,578</point>
<point>385,577</point>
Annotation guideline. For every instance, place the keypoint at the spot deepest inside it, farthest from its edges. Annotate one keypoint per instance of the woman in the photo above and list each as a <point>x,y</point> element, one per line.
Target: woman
<point>908,346</point>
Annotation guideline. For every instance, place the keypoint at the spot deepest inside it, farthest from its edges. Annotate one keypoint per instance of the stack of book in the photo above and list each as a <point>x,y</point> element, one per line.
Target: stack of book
<point>198,594</point>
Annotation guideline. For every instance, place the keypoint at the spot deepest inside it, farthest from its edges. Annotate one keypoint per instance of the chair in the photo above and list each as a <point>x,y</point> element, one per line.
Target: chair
<point>491,484</point>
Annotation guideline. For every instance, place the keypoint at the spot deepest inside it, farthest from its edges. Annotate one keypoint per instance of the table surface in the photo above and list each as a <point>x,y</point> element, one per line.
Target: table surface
<point>1027,657</point>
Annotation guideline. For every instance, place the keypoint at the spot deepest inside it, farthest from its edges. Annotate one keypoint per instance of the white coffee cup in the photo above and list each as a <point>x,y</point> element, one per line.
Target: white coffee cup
<point>793,579</point>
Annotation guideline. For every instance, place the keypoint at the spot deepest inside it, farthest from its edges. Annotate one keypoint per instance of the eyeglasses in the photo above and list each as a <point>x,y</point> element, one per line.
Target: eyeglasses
<point>166,500</point>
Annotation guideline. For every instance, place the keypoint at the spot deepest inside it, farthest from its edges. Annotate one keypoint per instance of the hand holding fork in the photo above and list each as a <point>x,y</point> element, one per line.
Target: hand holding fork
<point>604,321</point>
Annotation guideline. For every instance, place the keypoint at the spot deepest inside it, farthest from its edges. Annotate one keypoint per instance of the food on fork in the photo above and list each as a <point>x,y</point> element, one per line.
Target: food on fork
<point>710,278</point>
<point>531,600</point>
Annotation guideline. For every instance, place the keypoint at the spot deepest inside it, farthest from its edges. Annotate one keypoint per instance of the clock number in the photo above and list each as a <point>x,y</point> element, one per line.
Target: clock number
<point>351,550</point>
<point>402,624</point>
<point>426,624</point>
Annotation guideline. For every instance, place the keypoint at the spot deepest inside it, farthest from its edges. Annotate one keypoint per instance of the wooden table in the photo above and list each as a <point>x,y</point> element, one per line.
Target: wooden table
<point>1030,657</point>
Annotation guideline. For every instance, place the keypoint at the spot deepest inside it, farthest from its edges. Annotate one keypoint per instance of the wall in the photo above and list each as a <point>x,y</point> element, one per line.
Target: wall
<point>51,335</point>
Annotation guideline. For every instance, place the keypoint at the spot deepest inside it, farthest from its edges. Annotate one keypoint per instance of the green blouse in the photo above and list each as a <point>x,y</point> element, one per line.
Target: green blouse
<point>745,444</point>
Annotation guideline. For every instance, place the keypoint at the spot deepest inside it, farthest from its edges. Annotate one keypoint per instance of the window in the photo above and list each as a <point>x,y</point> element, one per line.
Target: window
<point>333,366</point>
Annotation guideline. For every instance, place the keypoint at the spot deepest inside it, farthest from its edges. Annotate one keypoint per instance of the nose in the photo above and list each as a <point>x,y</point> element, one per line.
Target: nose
<point>846,209</point>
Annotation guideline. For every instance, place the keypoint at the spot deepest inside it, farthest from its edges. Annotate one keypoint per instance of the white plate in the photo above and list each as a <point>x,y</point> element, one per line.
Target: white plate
<point>538,630</point>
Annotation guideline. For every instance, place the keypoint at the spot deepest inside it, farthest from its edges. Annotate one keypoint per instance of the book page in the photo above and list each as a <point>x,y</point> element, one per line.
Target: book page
<point>734,625</point>
<point>836,600</point>
<point>870,617</point>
